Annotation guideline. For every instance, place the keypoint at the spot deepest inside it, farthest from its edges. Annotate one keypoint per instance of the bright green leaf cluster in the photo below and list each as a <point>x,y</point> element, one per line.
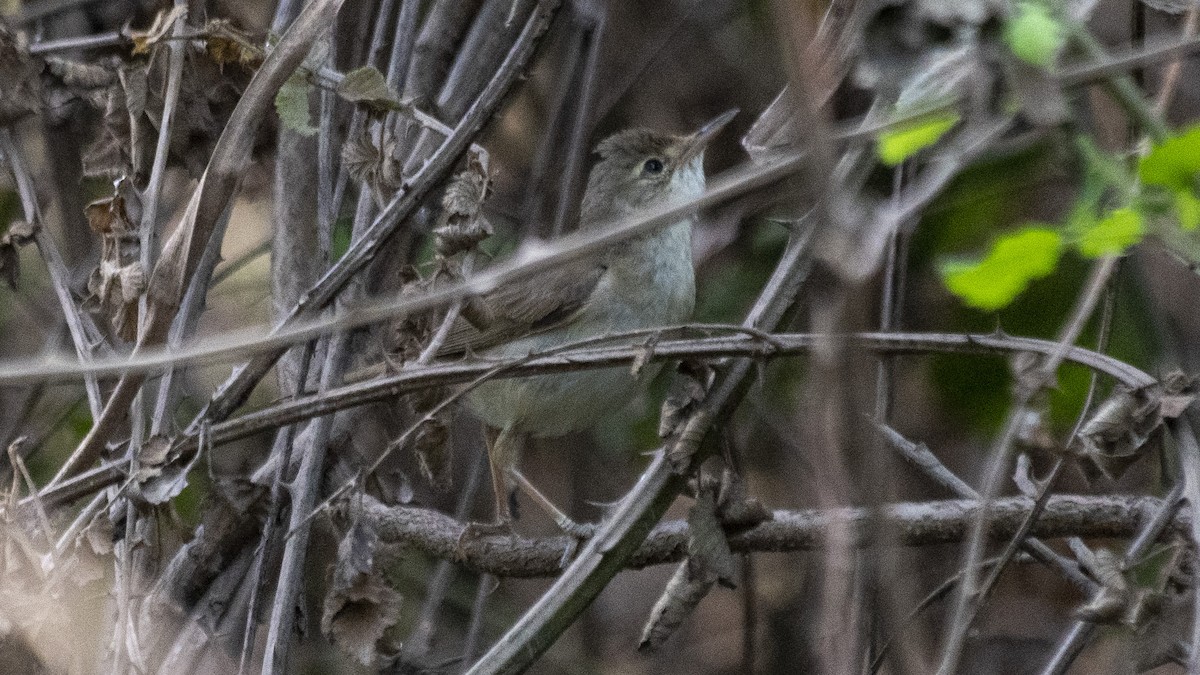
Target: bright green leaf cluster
<point>904,140</point>
<point>1034,35</point>
<point>1112,234</point>
<point>1015,260</point>
<point>1174,166</point>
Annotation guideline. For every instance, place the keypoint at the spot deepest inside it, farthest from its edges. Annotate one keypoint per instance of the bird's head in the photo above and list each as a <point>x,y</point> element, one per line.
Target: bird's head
<point>641,167</point>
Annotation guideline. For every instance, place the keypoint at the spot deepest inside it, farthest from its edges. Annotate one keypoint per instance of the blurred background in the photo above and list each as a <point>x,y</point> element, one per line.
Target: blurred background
<point>669,65</point>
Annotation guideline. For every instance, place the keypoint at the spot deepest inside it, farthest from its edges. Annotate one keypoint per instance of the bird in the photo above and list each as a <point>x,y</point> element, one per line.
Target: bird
<point>643,282</point>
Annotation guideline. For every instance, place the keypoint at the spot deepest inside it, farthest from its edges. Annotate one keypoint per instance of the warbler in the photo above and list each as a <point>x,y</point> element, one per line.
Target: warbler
<point>642,282</point>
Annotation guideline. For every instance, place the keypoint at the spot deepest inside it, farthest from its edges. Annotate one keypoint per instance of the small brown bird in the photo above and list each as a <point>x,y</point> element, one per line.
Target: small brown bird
<point>642,282</point>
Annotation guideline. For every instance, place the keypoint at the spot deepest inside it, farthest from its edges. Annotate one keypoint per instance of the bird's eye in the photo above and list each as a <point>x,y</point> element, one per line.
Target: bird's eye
<point>653,166</point>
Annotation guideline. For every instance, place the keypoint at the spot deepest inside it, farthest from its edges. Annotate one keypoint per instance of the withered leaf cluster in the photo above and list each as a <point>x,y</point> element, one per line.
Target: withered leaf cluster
<point>119,99</point>
<point>360,606</point>
<point>374,163</point>
<point>118,282</point>
<point>719,505</point>
<point>1132,605</point>
<point>462,225</point>
<point>1125,424</point>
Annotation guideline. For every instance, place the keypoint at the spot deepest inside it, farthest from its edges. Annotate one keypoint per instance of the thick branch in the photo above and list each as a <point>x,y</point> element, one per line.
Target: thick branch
<point>908,524</point>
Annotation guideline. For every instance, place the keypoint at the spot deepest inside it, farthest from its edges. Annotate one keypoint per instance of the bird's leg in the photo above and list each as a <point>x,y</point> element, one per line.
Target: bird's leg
<point>561,519</point>
<point>504,449</point>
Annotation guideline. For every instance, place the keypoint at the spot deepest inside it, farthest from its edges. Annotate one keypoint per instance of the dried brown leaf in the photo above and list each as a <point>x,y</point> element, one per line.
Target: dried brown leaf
<point>676,603</point>
<point>154,451</point>
<point>226,45</point>
<point>375,165</point>
<point>462,226</point>
<point>163,22</point>
<point>1108,605</point>
<point>1124,425</point>
<point>160,476</point>
<point>688,388</point>
<point>19,233</point>
<point>108,215</point>
<point>360,606</point>
<point>709,556</point>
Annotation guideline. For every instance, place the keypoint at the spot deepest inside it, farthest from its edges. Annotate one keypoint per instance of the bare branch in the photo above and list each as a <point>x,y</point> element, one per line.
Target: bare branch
<point>915,524</point>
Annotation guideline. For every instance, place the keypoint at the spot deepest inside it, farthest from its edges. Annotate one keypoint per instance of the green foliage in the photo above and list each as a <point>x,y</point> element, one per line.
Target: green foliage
<point>291,103</point>
<point>904,140</point>
<point>368,86</point>
<point>1111,235</point>
<point>1034,35</point>
<point>342,232</point>
<point>1014,261</point>
<point>1173,165</point>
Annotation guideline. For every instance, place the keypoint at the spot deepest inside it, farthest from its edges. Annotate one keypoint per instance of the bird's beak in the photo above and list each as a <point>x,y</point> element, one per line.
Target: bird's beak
<point>694,144</point>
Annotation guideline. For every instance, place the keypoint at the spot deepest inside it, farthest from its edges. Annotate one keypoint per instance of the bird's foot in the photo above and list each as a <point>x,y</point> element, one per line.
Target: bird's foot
<point>580,531</point>
<point>474,531</point>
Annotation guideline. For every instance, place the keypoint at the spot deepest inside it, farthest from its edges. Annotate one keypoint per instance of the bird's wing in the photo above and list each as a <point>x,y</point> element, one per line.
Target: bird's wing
<point>526,306</point>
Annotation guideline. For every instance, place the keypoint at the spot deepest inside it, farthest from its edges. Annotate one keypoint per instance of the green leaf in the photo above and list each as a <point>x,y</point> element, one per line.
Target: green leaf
<point>1173,163</point>
<point>1113,234</point>
<point>904,140</point>
<point>1034,35</point>
<point>368,86</point>
<point>1014,261</point>
<point>291,103</point>
<point>1187,207</point>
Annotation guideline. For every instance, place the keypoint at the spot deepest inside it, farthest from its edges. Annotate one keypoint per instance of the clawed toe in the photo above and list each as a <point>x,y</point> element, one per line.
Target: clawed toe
<point>475,531</point>
<point>580,531</point>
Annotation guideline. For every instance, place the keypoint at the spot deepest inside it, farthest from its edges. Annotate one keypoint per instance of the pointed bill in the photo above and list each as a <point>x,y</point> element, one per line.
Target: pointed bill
<point>699,139</point>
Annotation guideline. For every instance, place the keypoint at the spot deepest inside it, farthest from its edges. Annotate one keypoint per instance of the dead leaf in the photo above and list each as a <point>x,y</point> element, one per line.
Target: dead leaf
<point>676,603</point>
<point>709,556</point>
<point>1126,423</point>
<point>154,451</point>
<point>687,389</point>
<point>19,234</point>
<point>461,225</point>
<point>374,164</point>
<point>1108,605</point>
<point>162,473</point>
<point>360,606</point>
<point>226,44</point>
<point>163,22</point>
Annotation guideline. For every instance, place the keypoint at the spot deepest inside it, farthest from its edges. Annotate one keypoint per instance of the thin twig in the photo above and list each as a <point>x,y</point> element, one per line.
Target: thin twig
<point>83,330</point>
<point>1170,78</point>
